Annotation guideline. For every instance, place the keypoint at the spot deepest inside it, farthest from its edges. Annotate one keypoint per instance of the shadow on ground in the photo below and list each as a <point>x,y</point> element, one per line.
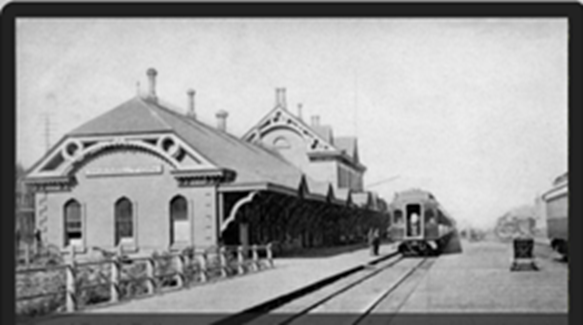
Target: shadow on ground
<point>546,252</point>
<point>321,251</point>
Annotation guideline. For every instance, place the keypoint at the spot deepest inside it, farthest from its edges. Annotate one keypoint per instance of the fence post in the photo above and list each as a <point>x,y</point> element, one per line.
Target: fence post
<point>180,270</point>
<point>240,260</point>
<point>150,266</point>
<point>270,254</point>
<point>255,258</point>
<point>114,288</point>
<point>71,292</point>
<point>202,262</point>
<point>223,261</point>
<point>27,253</point>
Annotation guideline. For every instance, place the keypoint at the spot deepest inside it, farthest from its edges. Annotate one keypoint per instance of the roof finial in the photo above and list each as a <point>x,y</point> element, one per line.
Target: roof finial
<point>222,120</point>
<point>280,97</point>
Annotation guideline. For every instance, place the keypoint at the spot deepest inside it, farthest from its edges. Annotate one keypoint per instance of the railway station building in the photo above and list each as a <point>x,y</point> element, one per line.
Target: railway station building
<point>145,176</point>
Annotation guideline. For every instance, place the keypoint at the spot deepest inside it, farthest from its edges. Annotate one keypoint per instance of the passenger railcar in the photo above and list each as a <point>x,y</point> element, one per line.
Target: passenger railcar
<point>419,223</point>
<point>557,207</point>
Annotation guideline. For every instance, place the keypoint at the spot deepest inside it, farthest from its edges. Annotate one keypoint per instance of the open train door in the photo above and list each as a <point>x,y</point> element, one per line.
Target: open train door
<point>414,227</point>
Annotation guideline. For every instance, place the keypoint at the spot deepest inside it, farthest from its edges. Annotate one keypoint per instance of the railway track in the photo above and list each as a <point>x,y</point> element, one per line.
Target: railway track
<point>355,296</point>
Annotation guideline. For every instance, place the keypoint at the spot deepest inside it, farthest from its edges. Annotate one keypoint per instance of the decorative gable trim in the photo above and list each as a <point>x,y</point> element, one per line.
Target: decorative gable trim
<point>203,177</point>
<point>51,184</point>
<point>281,118</point>
<point>73,152</point>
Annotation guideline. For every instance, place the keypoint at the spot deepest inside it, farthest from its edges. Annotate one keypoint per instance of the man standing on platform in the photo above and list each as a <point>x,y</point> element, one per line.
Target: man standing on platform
<point>374,241</point>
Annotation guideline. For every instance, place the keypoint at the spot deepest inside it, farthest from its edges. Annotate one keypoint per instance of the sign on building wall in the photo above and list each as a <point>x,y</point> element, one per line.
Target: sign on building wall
<point>121,171</point>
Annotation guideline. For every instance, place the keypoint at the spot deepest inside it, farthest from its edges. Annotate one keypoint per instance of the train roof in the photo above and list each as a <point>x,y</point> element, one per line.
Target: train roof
<point>414,194</point>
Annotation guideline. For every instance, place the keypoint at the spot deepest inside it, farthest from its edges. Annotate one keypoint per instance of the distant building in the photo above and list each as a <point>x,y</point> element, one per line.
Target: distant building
<point>145,177</point>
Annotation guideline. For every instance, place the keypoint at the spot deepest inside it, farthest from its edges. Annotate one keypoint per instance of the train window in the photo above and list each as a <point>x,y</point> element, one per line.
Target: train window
<point>430,217</point>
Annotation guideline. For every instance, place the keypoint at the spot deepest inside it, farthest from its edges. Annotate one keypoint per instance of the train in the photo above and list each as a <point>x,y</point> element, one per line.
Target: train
<point>557,214</point>
<point>419,223</point>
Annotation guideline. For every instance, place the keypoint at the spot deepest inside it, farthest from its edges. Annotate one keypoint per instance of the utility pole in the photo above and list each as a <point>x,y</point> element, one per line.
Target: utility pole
<point>355,111</point>
<point>386,180</point>
<point>47,131</point>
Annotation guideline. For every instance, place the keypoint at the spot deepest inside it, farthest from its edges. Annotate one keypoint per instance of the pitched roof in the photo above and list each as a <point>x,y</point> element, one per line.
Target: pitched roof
<point>343,194</point>
<point>253,163</point>
<point>324,131</point>
<point>341,146</point>
<point>361,198</point>
<point>133,116</point>
<point>347,145</point>
<point>318,188</point>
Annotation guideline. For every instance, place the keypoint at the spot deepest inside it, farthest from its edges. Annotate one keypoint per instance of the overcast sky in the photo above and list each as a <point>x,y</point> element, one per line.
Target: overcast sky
<point>474,110</point>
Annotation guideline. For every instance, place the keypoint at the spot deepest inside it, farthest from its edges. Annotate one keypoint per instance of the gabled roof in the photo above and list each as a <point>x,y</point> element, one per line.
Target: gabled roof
<point>321,189</point>
<point>348,146</point>
<point>133,116</point>
<point>282,111</point>
<point>324,131</point>
<point>344,194</point>
<point>341,147</point>
<point>252,163</point>
<point>362,199</point>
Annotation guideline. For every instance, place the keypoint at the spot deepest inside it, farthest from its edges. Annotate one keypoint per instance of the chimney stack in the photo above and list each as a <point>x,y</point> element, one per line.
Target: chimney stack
<point>300,111</point>
<point>191,112</point>
<point>222,120</point>
<point>151,73</point>
<point>315,120</point>
<point>280,97</point>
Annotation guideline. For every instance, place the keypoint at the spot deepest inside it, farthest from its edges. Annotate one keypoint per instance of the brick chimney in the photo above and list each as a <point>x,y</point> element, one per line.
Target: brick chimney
<point>280,97</point>
<point>300,112</point>
<point>222,120</point>
<point>151,73</point>
<point>190,113</point>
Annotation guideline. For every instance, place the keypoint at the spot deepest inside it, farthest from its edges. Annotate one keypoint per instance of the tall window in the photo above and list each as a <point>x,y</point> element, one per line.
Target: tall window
<point>73,226</point>
<point>179,223</point>
<point>124,222</point>
<point>430,216</point>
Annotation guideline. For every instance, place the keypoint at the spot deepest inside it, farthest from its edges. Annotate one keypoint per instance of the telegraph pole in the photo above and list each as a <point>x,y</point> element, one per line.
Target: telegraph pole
<point>47,131</point>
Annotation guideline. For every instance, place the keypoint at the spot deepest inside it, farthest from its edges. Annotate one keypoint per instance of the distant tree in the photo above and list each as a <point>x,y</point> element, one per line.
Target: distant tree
<point>24,216</point>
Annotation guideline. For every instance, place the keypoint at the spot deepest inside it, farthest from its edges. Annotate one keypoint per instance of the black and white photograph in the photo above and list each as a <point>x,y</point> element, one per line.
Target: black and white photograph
<point>271,170</point>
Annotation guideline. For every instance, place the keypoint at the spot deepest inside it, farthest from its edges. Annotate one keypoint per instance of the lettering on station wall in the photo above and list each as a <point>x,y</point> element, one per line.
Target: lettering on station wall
<point>121,171</point>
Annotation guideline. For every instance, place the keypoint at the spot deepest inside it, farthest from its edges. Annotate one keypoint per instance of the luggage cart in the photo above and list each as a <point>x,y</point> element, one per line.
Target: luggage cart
<point>523,257</point>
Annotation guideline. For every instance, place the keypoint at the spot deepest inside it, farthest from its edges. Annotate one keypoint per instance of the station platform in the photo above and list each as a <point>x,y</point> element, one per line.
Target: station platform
<point>241,293</point>
<point>480,281</point>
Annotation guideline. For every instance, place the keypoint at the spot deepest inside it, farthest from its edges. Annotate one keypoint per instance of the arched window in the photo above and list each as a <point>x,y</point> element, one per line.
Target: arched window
<point>179,222</point>
<point>73,223</point>
<point>124,220</point>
